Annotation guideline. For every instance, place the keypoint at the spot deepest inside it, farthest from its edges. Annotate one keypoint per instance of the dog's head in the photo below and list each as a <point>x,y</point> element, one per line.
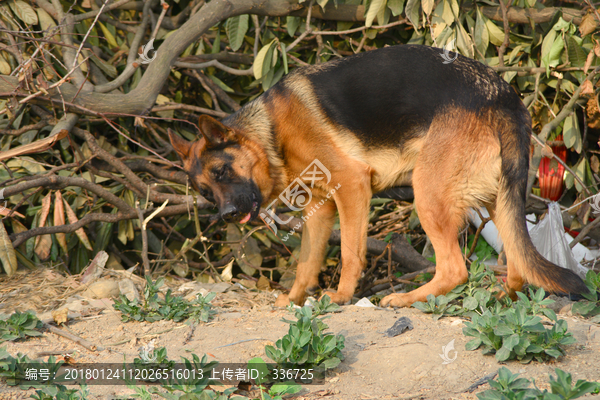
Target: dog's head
<point>221,166</point>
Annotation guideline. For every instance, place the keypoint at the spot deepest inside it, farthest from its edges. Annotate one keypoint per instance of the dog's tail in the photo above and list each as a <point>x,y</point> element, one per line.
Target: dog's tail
<point>510,217</point>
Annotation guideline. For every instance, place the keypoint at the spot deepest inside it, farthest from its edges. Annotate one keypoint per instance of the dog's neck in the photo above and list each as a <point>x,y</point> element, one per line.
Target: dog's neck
<point>253,122</point>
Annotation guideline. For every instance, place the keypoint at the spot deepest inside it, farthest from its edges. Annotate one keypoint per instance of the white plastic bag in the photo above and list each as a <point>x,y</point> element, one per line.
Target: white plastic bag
<point>549,239</point>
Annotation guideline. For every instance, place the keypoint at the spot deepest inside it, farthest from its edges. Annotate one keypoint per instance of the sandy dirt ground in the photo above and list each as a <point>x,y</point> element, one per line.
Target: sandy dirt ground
<point>408,366</point>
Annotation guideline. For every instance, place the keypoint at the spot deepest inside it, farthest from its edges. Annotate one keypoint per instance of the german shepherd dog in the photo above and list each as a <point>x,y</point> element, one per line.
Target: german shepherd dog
<point>390,117</point>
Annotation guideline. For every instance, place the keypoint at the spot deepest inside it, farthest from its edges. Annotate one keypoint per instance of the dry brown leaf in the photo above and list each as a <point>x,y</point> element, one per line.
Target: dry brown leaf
<point>595,163</point>
<point>43,243</point>
<point>587,88</point>
<point>36,147</point>
<point>263,283</point>
<point>5,211</point>
<point>588,24</point>
<point>588,61</point>
<point>59,219</point>
<point>597,49</point>
<point>8,256</point>
<point>79,232</point>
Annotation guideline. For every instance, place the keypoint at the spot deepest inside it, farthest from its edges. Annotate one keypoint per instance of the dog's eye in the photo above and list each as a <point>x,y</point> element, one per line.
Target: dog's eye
<point>221,172</point>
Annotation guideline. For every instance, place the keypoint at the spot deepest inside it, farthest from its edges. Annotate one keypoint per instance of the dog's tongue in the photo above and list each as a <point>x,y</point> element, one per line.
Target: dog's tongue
<point>246,218</point>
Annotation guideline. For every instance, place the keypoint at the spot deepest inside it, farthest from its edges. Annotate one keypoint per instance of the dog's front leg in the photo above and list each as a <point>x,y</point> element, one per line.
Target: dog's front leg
<point>318,219</point>
<point>352,199</point>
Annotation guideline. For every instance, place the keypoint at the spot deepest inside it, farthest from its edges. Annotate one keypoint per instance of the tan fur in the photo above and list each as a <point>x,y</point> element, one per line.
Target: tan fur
<point>458,168</point>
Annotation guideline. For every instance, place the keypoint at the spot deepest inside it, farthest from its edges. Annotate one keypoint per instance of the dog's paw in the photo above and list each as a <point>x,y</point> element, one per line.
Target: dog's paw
<point>395,300</point>
<point>283,300</point>
<point>338,298</point>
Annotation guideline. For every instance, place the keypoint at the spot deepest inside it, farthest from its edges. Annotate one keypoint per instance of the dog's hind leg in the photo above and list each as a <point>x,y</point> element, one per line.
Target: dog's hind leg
<point>317,228</point>
<point>442,224</point>
<point>457,168</point>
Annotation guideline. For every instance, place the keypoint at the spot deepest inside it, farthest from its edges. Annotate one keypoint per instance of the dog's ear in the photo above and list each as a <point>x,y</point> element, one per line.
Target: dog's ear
<point>215,132</point>
<point>181,146</point>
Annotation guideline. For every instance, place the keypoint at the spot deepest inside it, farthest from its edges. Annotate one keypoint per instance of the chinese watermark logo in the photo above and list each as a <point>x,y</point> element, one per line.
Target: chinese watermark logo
<point>446,353</point>
<point>446,54</point>
<point>297,196</point>
<point>144,54</point>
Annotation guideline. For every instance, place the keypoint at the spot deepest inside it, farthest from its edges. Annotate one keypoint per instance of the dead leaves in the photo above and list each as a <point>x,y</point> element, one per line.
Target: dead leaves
<point>43,243</point>
<point>72,218</point>
<point>59,219</point>
<point>7,252</point>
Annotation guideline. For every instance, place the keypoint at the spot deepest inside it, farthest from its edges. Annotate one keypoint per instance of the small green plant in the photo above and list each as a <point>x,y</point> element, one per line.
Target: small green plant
<point>510,330</point>
<point>60,392</point>
<point>591,307</point>
<point>19,326</point>
<point>482,250</point>
<point>516,334</point>
<point>14,370</point>
<point>154,308</point>
<point>467,299</point>
<point>509,386</point>
<point>306,342</point>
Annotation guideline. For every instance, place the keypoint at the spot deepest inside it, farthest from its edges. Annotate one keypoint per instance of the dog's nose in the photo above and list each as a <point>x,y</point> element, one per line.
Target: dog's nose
<point>229,212</point>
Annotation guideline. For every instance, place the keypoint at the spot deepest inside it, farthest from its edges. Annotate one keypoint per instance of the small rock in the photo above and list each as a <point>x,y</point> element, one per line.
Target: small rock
<point>127,288</point>
<point>101,289</point>
<point>364,302</point>
<point>401,325</point>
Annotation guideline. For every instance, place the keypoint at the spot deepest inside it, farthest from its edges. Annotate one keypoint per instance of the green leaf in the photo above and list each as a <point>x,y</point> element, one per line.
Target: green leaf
<point>511,341</point>
<point>464,42</point>
<point>553,352</point>
<point>473,344</point>
<point>374,8</point>
<point>236,28</point>
<point>322,3</point>
<point>108,35</point>
<point>427,6</point>
<point>24,11</point>
<point>552,46</point>
<point>412,12</point>
<point>571,133</point>
<point>292,24</point>
<point>503,354</point>
<point>45,19</point>
<point>470,303</point>
<point>482,36</point>
<point>331,363</point>
<point>220,84</point>
<point>396,6</point>
<point>264,59</point>
<point>496,34</point>
<point>419,305</point>
<point>577,55</point>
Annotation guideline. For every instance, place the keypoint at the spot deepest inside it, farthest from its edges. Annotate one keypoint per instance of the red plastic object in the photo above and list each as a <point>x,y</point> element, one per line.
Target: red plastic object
<point>551,173</point>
